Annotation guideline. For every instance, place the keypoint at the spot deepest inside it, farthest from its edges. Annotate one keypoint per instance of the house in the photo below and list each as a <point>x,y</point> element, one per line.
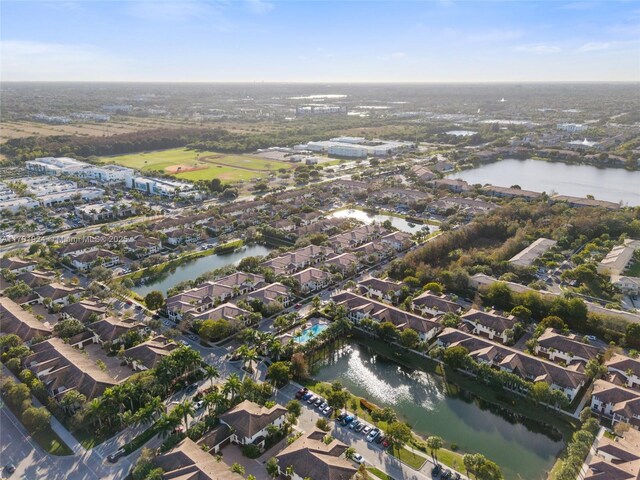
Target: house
<point>568,349</point>
<point>311,457</point>
<point>35,278</point>
<point>62,368</point>
<point>311,279</point>
<point>249,421</point>
<point>383,290</point>
<point>617,403</point>
<point>454,184</point>
<point>359,308</point>
<point>624,370</point>
<point>627,285</point>
<point>584,202</point>
<point>142,247</point>
<point>17,265</point>
<point>188,461</point>
<point>57,293</point>
<point>15,320</point>
<point>226,311</point>
<point>85,311</point>
<point>614,458</point>
<point>507,192</point>
<point>271,293</point>
<point>533,369</point>
<point>619,258</point>
<point>298,259</point>
<point>527,256</point>
<point>87,260</point>
<point>397,240</point>
<point>216,439</point>
<point>147,355</point>
<point>183,236</point>
<point>431,305</point>
<point>490,324</point>
<point>345,263</point>
<point>111,329</point>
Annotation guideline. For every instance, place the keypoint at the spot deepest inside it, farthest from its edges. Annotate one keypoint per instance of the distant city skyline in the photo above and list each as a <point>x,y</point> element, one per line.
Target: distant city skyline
<point>320,41</point>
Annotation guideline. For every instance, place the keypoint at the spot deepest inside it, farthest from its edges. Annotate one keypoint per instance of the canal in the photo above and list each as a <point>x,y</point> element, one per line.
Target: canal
<point>611,184</point>
<point>398,222</point>
<point>524,449</point>
<point>195,268</point>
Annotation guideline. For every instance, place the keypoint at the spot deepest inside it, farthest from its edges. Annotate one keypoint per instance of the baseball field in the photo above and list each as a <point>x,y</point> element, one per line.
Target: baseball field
<point>195,165</point>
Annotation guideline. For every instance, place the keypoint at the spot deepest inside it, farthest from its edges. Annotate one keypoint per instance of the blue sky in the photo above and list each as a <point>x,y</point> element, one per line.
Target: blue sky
<point>320,41</point>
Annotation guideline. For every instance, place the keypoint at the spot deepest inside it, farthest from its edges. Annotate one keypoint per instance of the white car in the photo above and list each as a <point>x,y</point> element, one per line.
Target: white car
<point>358,459</point>
<point>199,405</point>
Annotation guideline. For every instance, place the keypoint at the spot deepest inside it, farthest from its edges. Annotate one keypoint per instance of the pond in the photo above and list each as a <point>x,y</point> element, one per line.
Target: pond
<point>522,448</point>
<point>195,268</point>
<point>397,222</point>
<point>611,184</point>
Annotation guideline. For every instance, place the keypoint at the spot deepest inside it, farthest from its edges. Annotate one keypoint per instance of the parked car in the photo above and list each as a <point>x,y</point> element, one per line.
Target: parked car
<point>353,425</point>
<point>380,438</point>
<point>435,471</point>
<point>385,443</point>
<point>10,467</point>
<point>328,411</point>
<point>373,434</point>
<point>323,406</point>
<point>457,476</point>
<point>360,427</point>
<point>301,392</point>
<point>307,395</point>
<point>319,401</point>
<point>591,338</point>
<point>198,405</point>
<point>298,306</point>
<point>358,459</point>
<point>311,399</point>
<point>347,420</point>
<point>113,458</point>
<point>446,475</point>
<point>192,388</point>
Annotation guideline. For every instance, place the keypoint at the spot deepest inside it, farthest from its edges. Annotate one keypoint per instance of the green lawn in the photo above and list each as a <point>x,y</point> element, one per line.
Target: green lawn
<point>379,473</point>
<point>634,269</point>
<point>226,167</point>
<point>408,457</point>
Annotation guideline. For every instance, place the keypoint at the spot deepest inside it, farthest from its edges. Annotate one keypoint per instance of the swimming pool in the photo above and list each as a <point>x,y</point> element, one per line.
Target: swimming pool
<point>308,333</point>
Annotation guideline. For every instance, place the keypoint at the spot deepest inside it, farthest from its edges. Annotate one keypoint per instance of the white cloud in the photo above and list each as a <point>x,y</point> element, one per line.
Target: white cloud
<point>594,46</point>
<point>163,11</point>
<point>495,35</point>
<point>38,61</point>
<point>399,55</point>
<point>539,49</point>
<point>259,7</point>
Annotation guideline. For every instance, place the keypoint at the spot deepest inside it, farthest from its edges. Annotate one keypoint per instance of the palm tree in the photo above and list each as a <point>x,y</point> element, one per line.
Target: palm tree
<point>214,401</point>
<point>184,410</point>
<point>210,372</point>
<point>434,443</point>
<point>232,386</point>
<point>93,411</point>
<point>166,424</point>
<point>275,349</point>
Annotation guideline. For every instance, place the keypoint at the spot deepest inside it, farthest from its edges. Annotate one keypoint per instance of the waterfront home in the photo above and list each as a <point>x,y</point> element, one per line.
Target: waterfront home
<point>17,265</point>
<point>431,304</point>
<point>85,311</point>
<point>422,173</point>
<point>533,369</point>
<point>397,240</point>
<point>527,256</point>
<point>111,329</point>
<point>15,320</point>
<point>490,324</point>
<point>62,368</point>
<point>183,236</point>
<point>454,184</point>
<point>311,280</point>
<point>285,225</point>
<point>615,458</point>
<point>309,218</point>
<point>78,247</point>
<point>274,292</point>
<point>86,260</point>
<point>507,192</point>
<point>359,308</point>
<point>619,258</point>
<point>383,290</point>
<point>57,293</point>
<point>311,457</point>
<point>141,246</point>
<point>291,262</point>
<point>226,311</point>
<point>147,355</point>
<point>564,348</point>
<point>618,403</point>
<point>627,285</point>
<point>624,370</point>
<point>249,421</point>
<point>584,202</point>
<point>188,461</point>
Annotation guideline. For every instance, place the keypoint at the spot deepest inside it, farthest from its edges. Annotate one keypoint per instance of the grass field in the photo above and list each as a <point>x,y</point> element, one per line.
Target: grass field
<point>205,165</point>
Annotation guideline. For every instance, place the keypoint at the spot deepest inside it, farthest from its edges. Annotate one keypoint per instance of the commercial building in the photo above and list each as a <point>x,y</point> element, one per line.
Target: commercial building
<point>355,147</point>
<point>527,256</point>
<point>70,166</point>
<point>162,187</point>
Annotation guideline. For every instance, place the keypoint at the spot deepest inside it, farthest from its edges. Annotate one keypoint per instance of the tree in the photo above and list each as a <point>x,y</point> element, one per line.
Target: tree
<point>541,392</point>
<point>232,386</point>
<point>184,410</point>
<point>498,295</point>
<point>387,331</point>
<point>621,428</point>
<point>279,373</point>
<point>215,329</point>
<point>338,397</point>
<point>294,408</point>
<point>316,303</point>
<point>154,300</point>
<point>594,370</point>
<point>299,366</point>
<point>68,327</point>
<point>456,357</point>
<point>409,338</point>
<point>272,467</point>
<point>210,373</point>
<point>521,312</point>
<point>433,287</point>
<point>398,434</point>
<point>323,424</point>
<point>632,335</point>
<point>434,443</point>
<point>36,419</point>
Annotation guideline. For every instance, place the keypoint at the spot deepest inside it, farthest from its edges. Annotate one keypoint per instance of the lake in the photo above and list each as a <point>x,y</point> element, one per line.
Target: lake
<point>195,268</point>
<point>522,448</point>
<point>612,184</point>
<point>366,217</point>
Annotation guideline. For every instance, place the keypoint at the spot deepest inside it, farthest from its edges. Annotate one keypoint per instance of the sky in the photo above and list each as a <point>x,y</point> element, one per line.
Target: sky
<point>320,41</point>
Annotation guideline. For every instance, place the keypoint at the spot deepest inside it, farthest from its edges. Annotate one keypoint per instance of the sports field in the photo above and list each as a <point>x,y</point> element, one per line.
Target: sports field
<point>193,165</point>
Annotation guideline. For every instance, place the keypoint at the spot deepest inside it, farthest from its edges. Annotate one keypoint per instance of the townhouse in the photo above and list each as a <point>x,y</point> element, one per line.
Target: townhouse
<point>311,280</point>
<point>35,278</point>
<point>383,290</point>
<point>618,403</point>
<point>226,311</point>
<point>533,369</point>
<point>57,293</point>
<point>15,320</point>
<point>398,240</point>
<point>62,368</point>
<point>148,354</point>
<point>274,292</point>
<point>183,236</point>
<point>87,260</point>
<point>567,349</point>
<point>345,263</point>
<point>249,421</point>
<point>359,308</point>
<point>432,305</point>
<point>490,324</point>
<point>291,262</point>
<point>188,461</point>
<point>85,311</point>
<point>311,457</point>
<point>614,459</point>
<point>624,370</point>
<point>111,329</point>
<point>17,265</point>
<point>141,247</point>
